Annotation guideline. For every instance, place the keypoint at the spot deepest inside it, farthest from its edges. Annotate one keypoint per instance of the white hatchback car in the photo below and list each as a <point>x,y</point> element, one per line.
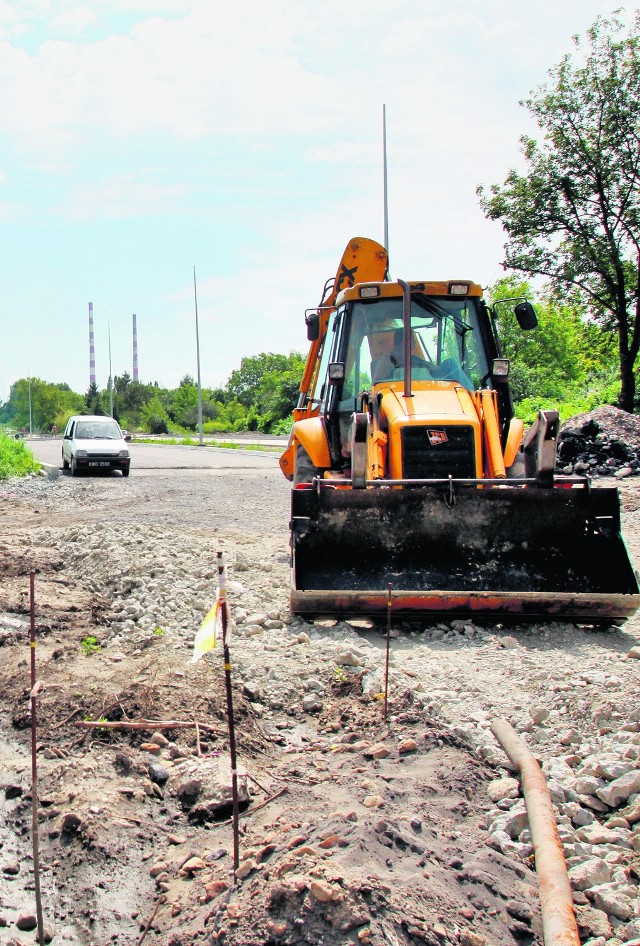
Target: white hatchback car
<point>94,444</point>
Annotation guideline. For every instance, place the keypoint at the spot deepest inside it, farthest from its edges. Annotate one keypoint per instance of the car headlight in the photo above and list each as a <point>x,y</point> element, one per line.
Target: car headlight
<point>81,453</point>
<point>124,453</point>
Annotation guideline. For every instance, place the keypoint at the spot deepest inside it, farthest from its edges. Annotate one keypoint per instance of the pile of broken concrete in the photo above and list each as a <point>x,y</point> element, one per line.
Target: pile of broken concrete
<point>604,442</point>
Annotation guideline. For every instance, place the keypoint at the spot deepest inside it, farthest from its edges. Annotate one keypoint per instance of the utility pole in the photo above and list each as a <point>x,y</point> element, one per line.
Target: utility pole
<point>110,381</point>
<point>135,350</point>
<point>92,349</point>
<point>30,415</point>
<point>195,296</point>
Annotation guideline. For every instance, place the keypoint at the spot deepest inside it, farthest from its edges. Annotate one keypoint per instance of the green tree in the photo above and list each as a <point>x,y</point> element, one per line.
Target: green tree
<point>130,395</point>
<point>574,216</point>
<point>244,382</point>
<point>94,400</point>
<point>39,404</point>
<point>267,386</point>
<point>228,416</point>
<point>155,417</point>
<point>568,362</point>
<point>277,393</point>
<point>184,403</point>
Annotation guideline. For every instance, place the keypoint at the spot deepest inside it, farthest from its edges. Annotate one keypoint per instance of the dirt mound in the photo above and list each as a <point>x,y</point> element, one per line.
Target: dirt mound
<point>603,442</point>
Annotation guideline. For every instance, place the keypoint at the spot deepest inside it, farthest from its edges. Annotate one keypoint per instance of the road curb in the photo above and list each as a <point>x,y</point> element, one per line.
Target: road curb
<point>48,469</point>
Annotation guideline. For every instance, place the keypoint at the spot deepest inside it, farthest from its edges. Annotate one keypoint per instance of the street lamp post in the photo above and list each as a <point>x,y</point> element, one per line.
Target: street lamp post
<point>195,295</point>
<point>30,414</point>
<point>110,381</point>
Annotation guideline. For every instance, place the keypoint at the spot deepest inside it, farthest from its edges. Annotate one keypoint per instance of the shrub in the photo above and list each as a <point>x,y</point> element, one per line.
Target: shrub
<point>15,458</point>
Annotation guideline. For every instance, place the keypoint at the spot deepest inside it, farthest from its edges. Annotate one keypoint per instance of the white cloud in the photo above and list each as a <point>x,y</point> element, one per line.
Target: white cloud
<point>193,68</point>
<point>193,76</point>
<point>124,196</point>
<point>75,20</point>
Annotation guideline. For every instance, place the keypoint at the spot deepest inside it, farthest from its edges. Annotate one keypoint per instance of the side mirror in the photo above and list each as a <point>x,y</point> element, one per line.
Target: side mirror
<point>526,316</point>
<point>312,321</point>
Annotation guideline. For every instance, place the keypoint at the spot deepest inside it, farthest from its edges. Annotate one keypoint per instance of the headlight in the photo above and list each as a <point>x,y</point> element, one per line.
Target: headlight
<point>500,368</point>
<point>124,453</point>
<point>81,453</point>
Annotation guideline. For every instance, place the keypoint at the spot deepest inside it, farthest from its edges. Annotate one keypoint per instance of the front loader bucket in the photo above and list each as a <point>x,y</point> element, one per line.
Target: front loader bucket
<point>519,553</point>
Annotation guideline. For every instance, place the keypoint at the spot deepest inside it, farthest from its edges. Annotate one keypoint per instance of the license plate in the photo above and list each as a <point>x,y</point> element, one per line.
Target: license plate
<point>99,463</point>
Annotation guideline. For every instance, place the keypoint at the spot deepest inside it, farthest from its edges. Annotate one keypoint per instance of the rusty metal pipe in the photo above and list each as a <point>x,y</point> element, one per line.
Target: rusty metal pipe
<point>559,927</point>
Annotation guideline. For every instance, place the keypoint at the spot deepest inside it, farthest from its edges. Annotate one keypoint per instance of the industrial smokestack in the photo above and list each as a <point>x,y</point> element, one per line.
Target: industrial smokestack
<point>92,350</point>
<point>135,350</point>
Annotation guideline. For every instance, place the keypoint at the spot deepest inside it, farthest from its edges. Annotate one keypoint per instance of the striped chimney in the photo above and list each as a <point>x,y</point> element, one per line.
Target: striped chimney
<point>135,350</point>
<point>92,349</point>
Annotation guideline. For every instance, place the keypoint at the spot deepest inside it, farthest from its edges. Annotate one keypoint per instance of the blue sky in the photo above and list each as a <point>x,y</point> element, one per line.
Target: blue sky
<point>140,139</point>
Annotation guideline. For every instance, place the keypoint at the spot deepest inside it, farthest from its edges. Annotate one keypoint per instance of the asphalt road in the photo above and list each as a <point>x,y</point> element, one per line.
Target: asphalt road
<point>147,456</point>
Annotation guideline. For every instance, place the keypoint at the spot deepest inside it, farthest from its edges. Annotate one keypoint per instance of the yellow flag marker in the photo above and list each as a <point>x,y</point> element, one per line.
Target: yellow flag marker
<point>207,633</point>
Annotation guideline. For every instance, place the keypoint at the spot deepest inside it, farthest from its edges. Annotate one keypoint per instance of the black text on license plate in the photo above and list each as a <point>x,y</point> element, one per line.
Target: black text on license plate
<point>99,463</point>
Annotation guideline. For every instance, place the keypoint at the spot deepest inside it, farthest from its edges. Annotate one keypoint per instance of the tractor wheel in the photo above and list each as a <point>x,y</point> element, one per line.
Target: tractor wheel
<point>304,470</point>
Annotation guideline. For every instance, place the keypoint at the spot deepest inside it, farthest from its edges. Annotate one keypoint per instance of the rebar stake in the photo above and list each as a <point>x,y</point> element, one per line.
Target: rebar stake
<point>222,586</point>
<point>34,765</point>
<point>386,669</point>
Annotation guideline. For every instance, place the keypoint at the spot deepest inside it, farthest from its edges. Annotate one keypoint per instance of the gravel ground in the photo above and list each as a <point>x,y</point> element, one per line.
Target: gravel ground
<point>356,828</point>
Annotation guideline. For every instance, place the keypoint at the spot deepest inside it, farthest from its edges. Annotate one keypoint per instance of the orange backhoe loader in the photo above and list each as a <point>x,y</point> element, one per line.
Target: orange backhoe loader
<point>414,488</point>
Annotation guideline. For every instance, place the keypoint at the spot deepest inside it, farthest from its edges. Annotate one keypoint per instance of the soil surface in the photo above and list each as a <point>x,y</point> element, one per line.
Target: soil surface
<point>355,826</point>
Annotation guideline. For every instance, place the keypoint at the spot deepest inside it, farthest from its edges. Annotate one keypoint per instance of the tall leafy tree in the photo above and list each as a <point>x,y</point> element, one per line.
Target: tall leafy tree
<point>130,395</point>
<point>154,416</point>
<point>574,215</point>
<point>93,400</point>
<point>184,403</point>
<point>245,381</point>
<point>267,386</point>
<point>562,356</point>
<point>39,403</point>
<point>277,392</point>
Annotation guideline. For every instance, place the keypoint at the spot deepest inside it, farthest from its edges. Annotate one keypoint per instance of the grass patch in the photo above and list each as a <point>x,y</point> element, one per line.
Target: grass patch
<point>15,458</point>
<point>90,645</point>
<point>227,445</point>
<point>249,446</point>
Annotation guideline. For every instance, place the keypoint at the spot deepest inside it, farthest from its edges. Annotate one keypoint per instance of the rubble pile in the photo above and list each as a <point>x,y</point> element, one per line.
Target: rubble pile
<point>604,442</point>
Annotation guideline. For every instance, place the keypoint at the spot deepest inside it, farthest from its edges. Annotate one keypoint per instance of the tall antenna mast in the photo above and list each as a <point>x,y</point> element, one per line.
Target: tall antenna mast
<point>135,350</point>
<point>92,350</point>
<point>195,296</point>
<point>384,165</point>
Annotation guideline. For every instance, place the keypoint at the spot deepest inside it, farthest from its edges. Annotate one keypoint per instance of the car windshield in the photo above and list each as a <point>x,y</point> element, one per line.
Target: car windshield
<point>86,430</point>
<point>445,341</point>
